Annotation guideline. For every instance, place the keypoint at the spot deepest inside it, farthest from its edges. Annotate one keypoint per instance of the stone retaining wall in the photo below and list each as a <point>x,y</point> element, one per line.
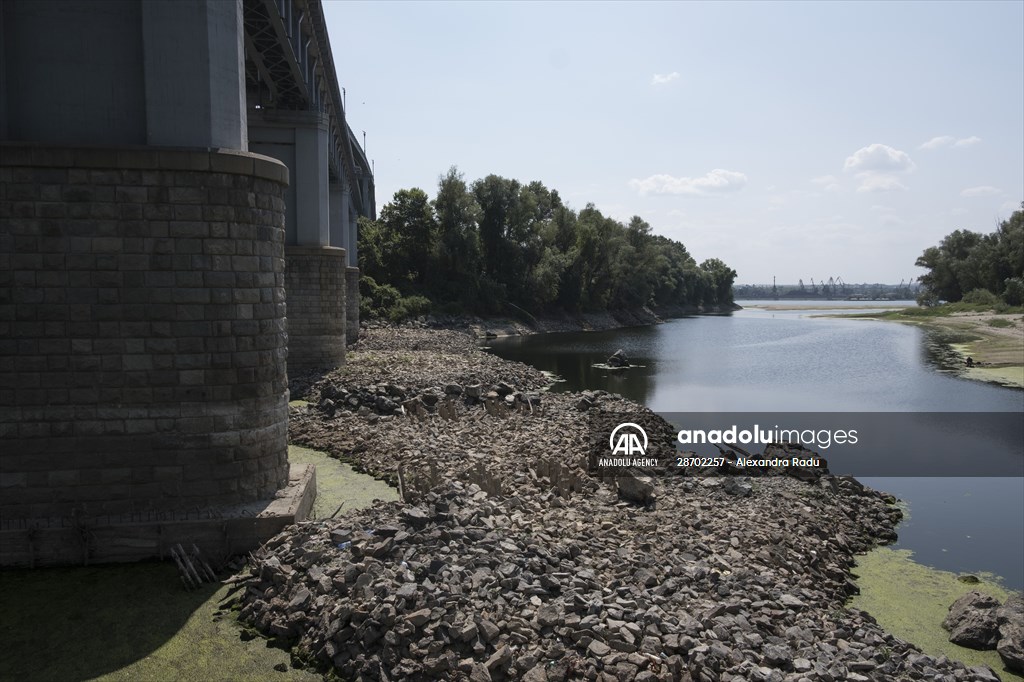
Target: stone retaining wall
<point>142,330</point>
<point>315,281</point>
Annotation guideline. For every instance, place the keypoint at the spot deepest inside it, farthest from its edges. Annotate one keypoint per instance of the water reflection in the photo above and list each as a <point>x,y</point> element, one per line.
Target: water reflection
<point>761,360</point>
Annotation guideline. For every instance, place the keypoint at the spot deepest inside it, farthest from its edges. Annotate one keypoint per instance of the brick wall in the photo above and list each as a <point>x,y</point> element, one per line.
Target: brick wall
<point>315,281</point>
<point>142,330</point>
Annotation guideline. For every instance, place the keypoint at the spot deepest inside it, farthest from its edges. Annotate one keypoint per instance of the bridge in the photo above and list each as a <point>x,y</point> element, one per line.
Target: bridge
<point>180,192</point>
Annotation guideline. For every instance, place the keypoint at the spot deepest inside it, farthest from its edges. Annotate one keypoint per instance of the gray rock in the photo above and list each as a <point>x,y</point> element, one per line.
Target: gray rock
<point>618,359</point>
<point>1010,617</point>
<point>479,673</point>
<point>419,618</point>
<point>738,486</point>
<point>972,621</point>
<point>639,489</point>
<point>500,659</point>
<point>488,630</point>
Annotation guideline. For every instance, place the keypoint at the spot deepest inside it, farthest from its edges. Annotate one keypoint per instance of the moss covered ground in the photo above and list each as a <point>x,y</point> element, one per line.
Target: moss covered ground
<point>911,600</point>
<point>137,622</point>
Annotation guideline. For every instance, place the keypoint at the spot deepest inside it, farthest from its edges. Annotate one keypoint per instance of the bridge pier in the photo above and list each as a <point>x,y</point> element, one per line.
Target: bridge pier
<point>144,258</point>
<point>315,264</point>
<point>142,340</point>
<point>142,270</point>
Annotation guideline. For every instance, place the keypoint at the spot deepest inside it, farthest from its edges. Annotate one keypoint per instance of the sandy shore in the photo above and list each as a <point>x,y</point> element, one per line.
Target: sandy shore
<point>995,342</point>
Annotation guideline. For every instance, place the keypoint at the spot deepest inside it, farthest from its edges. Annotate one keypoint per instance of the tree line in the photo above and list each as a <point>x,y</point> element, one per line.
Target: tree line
<point>976,267</point>
<point>497,244</point>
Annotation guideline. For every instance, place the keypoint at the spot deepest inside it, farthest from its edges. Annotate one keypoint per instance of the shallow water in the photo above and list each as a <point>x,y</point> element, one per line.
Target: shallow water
<point>793,360</point>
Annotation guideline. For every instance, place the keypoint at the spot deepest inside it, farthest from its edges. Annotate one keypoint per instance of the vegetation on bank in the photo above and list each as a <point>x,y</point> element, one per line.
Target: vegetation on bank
<point>984,269</point>
<point>945,310</point>
<point>497,246</point>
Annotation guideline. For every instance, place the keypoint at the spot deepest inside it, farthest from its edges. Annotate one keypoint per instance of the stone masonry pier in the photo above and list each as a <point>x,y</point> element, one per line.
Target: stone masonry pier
<point>142,332</point>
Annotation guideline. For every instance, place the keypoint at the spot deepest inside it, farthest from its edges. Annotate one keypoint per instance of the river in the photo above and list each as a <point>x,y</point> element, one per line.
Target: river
<point>785,357</point>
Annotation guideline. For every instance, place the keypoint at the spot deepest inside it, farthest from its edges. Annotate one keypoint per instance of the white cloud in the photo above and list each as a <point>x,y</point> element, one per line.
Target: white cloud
<point>967,141</point>
<point>662,79</point>
<point>949,141</point>
<point>982,191</point>
<point>714,182</point>
<point>829,183</point>
<point>879,158</point>
<point>936,142</point>
<point>877,166</point>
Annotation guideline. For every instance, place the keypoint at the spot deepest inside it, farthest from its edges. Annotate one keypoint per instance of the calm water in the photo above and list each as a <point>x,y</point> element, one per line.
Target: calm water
<point>761,360</point>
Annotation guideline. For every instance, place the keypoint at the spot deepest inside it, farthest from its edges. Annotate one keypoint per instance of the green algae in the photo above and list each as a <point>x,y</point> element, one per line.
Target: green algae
<point>338,483</point>
<point>126,622</point>
<point>911,600</point>
<point>136,622</point>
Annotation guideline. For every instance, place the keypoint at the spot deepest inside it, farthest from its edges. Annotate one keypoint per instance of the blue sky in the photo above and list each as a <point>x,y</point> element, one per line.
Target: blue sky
<point>790,139</point>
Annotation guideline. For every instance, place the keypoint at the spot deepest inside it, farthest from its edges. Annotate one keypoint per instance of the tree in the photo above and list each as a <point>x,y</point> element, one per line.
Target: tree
<point>498,243</point>
<point>719,282</point>
<point>459,258</point>
<point>409,227</point>
<point>965,261</point>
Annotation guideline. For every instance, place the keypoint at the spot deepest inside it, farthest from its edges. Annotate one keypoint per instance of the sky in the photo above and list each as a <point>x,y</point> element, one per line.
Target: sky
<point>795,140</point>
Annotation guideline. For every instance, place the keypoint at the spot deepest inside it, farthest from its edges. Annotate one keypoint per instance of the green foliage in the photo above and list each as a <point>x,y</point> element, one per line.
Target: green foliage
<point>1014,292</point>
<point>966,261</point>
<point>376,300</point>
<point>497,244</point>
<point>385,301</point>
<point>410,306</point>
<point>981,297</point>
<point>944,310</point>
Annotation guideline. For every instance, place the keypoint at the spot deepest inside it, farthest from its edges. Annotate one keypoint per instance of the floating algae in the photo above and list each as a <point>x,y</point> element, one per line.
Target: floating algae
<point>910,601</point>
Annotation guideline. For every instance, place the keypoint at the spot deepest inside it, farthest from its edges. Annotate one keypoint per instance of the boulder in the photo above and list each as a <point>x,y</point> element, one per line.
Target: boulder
<point>972,621</point>
<point>639,489</point>
<point>1010,617</point>
<point>618,359</point>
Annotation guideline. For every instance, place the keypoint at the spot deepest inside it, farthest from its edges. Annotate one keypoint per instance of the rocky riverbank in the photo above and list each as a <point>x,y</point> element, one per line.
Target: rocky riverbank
<point>508,560</point>
<point>525,323</point>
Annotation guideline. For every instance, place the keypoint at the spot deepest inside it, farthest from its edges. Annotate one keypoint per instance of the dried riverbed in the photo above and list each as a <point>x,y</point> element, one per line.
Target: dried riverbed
<point>509,561</point>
